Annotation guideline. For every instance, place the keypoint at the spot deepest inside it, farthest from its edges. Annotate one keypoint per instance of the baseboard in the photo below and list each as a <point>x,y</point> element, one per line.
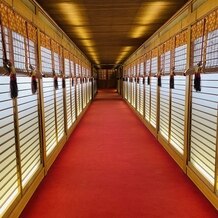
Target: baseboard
<point>212,197</point>
<point>27,195</point>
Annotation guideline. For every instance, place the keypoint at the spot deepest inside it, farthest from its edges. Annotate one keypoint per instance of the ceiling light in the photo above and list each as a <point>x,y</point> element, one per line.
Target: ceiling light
<point>148,13</point>
<point>72,13</point>
<point>138,32</point>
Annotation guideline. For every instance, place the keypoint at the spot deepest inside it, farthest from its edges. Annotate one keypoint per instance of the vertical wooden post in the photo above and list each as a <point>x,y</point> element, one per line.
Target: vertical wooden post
<point>144,89</point>
<point>64,92</point>
<point>158,95</point>
<point>187,123</point>
<point>17,144</point>
<point>41,103</point>
<point>76,100</point>
<point>55,106</point>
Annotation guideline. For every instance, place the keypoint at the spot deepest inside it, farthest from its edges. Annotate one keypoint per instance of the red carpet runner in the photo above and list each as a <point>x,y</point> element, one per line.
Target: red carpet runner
<point>112,167</point>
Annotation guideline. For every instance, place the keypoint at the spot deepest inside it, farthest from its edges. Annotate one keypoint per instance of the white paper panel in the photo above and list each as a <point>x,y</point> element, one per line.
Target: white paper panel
<point>90,90</point>
<point>154,66</point>
<point>129,91</point>
<point>73,102</point>
<point>125,89</point>
<point>60,110</point>
<point>50,131</point>
<point>138,97</point>
<point>197,50</point>
<point>28,129</point>
<point>84,94</point>
<point>141,96</point>
<point>81,97</point>
<point>180,58</point>
<point>46,60</point>
<point>8,167</point>
<point>87,92</point>
<point>177,114</point>
<point>147,100</point>
<point>67,67</point>
<point>56,63</point>
<point>167,57</point>
<point>164,107</point>
<point>19,51</point>
<point>132,92</point>
<point>204,126</point>
<point>153,85</point>
<point>212,49</point>
<point>68,102</point>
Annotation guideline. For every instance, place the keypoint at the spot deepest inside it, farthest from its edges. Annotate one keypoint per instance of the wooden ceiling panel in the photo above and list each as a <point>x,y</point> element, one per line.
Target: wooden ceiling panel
<point>110,29</point>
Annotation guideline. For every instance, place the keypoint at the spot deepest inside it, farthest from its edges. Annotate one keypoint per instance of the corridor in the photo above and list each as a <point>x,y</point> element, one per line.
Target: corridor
<point>113,167</point>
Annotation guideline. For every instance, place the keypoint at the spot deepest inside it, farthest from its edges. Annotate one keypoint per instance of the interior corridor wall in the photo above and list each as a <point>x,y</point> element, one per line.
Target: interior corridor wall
<point>180,91</point>
<point>54,87</point>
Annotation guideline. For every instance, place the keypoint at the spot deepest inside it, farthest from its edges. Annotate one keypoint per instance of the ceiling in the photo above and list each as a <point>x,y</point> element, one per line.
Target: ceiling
<point>108,31</point>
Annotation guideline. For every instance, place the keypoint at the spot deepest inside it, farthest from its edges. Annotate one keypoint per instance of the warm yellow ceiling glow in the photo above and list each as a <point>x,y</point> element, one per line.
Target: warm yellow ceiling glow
<point>90,49</point>
<point>72,13</point>
<point>87,42</point>
<point>76,17</point>
<point>126,49</point>
<point>148,13</point>
<point>96,61</point>
<point>138,32</point>
<point>123,53</point>
<point>82,33</point>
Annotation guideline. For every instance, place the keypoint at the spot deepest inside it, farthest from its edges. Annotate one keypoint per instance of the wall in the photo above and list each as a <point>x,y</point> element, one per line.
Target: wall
<point>41,104</point>
<point>161,84</point>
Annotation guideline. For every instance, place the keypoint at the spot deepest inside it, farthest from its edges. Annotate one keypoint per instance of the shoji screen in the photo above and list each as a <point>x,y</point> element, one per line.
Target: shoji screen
<point>125,82</point>
<point>73,90</point>
<point>19,117</point>
<point>129,85</point>
<point>90,85</point>
<point>9,172</point>
<point>141,87</point>
<point>9,175</point>
<point>27,103</point>
<point>178,93</point>
<point>137,85</point>
<point>78,93</point>
<point>77,88</point>
<point>147,87</point>
<point>87,84</point>
<point>134,86</point>
<point>28,129</point>
<point>154,71</point>
<point>68,80</point>
<point>84,87</point>
<point>88,90</point>
<point>79,84</point>
<point>165,58</point>
<point>205,102</point>
<point>48,94</point>
<point>59,101</point>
